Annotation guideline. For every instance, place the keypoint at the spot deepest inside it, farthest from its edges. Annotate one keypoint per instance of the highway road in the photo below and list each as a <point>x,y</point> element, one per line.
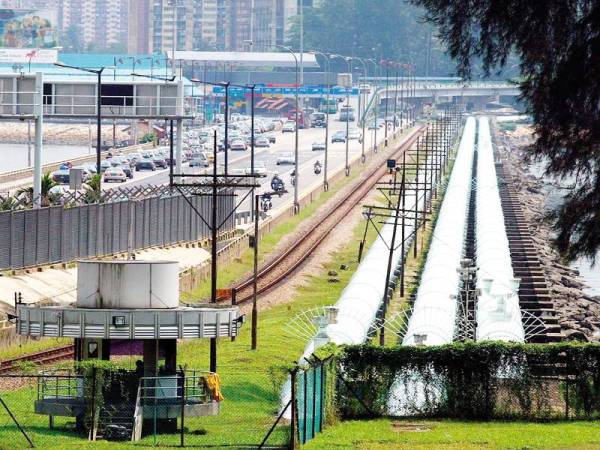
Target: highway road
<point>240,160</point>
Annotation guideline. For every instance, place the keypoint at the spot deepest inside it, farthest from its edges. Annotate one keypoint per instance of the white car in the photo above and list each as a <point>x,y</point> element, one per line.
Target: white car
<point>318,146</point>
<point>237,144</point>
<point>259,169</point>
<point>115,174</point>
<point>286,158</point>
<point>354,135</point>
<point>288,127</point>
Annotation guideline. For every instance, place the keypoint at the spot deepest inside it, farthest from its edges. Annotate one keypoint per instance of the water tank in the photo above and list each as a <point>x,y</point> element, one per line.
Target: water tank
<point>128,284</point>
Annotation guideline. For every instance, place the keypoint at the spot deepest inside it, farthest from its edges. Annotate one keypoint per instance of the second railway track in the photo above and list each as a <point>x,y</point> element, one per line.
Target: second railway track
<point>280,267</point>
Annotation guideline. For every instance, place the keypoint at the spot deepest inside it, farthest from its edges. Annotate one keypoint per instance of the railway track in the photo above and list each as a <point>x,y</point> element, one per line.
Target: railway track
<point>40,358</point>
<point>279,268</point>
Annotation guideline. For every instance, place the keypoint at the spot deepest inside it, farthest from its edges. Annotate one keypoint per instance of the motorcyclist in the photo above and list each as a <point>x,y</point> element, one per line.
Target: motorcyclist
<point>277,183</point>
<point>317,167</point>
<point>293,177</point>
<point>266,202</point>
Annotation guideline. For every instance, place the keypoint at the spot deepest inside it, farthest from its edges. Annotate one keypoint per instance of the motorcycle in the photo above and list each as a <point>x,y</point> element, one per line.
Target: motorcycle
<point>317,168</point>
<point>265,203</point>
<point>277,184</point>
<point>293,178</point>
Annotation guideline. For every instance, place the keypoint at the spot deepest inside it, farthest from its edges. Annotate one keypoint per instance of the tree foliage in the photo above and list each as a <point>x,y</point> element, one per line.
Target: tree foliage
<point>558,42</point>
<point>379,29</point>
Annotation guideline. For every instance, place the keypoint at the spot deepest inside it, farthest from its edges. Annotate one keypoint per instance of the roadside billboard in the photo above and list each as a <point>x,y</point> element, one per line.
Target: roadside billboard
<point>28,28</point>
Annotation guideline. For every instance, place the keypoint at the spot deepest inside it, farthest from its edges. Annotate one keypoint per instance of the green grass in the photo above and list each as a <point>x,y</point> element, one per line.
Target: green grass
<point>457,435</point>
<point>32,346</point>
<point>251,379</point>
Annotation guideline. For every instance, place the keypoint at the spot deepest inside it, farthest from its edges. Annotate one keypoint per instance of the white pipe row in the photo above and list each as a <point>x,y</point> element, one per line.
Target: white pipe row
<point>498,312</point>
<point>433,319</point>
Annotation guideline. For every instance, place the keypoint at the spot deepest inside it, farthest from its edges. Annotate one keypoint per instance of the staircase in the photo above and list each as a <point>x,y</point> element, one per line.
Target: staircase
<point>116,421</point>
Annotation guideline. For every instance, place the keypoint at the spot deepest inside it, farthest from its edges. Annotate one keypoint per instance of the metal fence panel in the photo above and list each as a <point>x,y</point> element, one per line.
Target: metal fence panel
<point>43,236</point>
<point>55,236</point>
<point>58,234</point>
<point>6,239</point>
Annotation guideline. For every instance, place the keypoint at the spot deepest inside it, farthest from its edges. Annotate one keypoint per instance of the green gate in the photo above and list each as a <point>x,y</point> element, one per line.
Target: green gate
<point>311,384</point>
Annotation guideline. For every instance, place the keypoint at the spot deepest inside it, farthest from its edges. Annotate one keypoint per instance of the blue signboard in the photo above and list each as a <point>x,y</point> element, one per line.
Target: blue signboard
<point>303,90</point>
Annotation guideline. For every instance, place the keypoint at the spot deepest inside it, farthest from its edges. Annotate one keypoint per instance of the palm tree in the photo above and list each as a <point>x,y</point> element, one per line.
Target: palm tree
<point>47,184</point>
<point>94,191</point>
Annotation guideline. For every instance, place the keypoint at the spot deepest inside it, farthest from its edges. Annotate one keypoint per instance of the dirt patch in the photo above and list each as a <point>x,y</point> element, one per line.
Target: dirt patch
<point>405,427</point>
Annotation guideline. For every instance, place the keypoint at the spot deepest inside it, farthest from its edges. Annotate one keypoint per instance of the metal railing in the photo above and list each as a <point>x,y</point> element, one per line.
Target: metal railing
<point>63,384</point>
<point>190,385</point>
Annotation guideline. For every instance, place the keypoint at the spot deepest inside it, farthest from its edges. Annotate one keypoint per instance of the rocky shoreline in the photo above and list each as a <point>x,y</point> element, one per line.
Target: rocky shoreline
<point>59,133</point>
<point>578,312</point>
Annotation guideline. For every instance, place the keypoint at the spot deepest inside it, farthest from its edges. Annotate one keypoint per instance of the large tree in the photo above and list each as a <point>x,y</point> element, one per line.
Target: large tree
<point>558,42</point>
<point>379,29</point>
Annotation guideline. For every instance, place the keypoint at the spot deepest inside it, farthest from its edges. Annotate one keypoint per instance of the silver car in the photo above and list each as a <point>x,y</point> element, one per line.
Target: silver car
<point>286,158</point>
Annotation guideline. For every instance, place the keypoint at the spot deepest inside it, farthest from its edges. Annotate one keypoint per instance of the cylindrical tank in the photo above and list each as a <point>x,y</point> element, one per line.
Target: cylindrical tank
<point>128,284</point>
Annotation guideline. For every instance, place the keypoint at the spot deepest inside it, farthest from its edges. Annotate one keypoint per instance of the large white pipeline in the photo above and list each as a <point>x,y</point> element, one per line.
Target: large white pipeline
<point>433,317</point>
<point>498,312</point>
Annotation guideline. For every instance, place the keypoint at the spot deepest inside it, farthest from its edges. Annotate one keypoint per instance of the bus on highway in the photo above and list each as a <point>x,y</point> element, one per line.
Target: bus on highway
<point>303,119</point>
<point>328,106</point>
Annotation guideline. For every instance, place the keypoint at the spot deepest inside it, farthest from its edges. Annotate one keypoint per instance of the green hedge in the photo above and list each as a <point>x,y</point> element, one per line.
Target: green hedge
<point>472,380</point>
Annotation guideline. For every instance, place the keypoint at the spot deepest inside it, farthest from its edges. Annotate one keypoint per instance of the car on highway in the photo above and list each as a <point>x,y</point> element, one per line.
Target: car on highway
<point>104,165</point>
<point>271,137</point>
<point>114,174</point>
<point>338,136</point>
<point>354,135</point>
<point>262,141</point>
<point>65,166</point>
<point>199,160</point>
<point>237,144</point>
<point>259,169</point>
<point>286,158</point>
<point>159,161</point>
<point>319,120</point>
<point>316,146</point>
<point>61,176</point>
<point>288,127</point>
<point>127,169</point>
<point>346,114</point>
<point>145,164</point>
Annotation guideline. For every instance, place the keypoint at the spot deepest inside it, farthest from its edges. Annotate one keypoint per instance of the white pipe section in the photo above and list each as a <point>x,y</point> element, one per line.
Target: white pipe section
<point>433,318</point>
<point>498,312</point>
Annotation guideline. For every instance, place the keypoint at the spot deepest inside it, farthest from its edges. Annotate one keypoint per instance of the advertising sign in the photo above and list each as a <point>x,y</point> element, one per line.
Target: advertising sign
<point>28,28</point>
<point>27,55</point>
<point>303,90</point>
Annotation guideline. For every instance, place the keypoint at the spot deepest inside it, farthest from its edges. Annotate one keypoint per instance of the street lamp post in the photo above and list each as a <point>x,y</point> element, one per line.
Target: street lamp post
<point>375,106</point>
<point>297,176</point>
<point>98,73</point>
<point>387,87</point>
<point>325,183</point>
<point>363,117</point>
<point>395,96</point>
<point>348,88</point>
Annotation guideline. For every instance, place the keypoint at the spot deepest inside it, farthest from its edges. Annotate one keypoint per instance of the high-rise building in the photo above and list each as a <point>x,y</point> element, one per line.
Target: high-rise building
<point>172,25</point>
<point>99,23</point>
<point>139,14</point>
<point>271,22</point>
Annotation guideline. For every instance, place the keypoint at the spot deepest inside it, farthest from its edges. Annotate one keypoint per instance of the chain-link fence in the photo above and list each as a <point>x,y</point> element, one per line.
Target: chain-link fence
<point>60,234</point>
<point>240,409</point>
